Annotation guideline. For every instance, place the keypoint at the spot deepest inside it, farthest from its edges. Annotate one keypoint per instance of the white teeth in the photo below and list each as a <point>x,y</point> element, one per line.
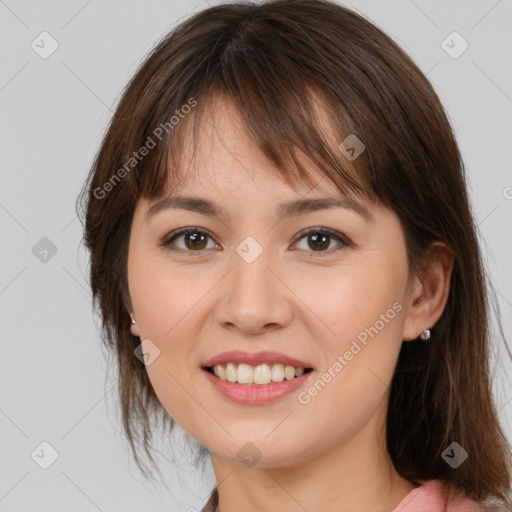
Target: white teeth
<point>245,374</point>
<point>221,371</point>
<point>277,372</point>
<point>261,374</point>
<point>231,373</point>
<point>289,372</point>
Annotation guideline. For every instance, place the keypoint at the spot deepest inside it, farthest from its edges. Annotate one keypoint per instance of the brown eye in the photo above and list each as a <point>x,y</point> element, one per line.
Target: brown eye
<point>320,239</point>
<point>195,239</point>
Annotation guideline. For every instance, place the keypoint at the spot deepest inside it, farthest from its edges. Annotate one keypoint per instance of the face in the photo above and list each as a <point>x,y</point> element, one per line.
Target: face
<point>247,279</point>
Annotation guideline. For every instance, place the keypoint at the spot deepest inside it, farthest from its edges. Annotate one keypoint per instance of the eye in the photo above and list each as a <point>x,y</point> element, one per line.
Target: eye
<point>321,237</point>
<point>195,239</point>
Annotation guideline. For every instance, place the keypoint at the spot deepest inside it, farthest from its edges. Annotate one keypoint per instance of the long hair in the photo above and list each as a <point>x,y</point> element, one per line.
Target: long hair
<point>276,60</point>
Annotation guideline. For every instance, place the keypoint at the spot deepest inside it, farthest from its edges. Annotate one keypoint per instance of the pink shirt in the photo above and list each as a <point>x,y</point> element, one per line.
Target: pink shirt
<point>428,497</point>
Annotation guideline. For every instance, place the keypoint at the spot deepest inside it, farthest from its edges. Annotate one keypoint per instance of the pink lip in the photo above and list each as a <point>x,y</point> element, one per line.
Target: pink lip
<point>256,394</point>
<point>254,359</point>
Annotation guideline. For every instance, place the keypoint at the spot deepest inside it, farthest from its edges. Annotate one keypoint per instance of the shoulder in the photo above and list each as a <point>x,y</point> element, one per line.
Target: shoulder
<point>436,496</point>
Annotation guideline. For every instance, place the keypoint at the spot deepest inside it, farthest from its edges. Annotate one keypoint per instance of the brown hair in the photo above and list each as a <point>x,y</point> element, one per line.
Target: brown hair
<point>273,60</point>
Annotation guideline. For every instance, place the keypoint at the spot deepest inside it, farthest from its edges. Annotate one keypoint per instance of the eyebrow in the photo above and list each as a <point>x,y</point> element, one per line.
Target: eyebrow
<point>291,208</point>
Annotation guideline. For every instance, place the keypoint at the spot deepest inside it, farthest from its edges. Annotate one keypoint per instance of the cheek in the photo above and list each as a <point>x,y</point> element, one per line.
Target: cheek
<point>171,380</point>
<point>164,297</point>
<point>360,317</point>
<point>359,351</point>
<point>352,298</point>
<point>167,304</point>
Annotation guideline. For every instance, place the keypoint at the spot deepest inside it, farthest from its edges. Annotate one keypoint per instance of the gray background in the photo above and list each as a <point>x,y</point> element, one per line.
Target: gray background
<point>53,113</point>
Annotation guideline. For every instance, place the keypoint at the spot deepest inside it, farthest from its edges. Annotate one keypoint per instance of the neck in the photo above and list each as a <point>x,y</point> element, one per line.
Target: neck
<point>353,477</point>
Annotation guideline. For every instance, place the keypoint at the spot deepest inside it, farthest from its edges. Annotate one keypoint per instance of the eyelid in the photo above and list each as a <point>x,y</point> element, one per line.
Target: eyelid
<point>343,240</point>
<point>331,232</point>
<point>184,231</point>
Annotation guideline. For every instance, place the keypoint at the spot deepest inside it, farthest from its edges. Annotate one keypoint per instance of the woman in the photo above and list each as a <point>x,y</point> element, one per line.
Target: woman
<point>286,265</point>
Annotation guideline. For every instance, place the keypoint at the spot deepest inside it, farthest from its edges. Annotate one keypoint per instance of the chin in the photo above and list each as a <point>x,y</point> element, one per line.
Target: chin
<point>260,452</point>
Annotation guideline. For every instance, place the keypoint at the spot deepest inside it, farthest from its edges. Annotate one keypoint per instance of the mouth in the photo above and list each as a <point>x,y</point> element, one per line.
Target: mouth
<point>264,366</point>
<point>260,375</point>
<point>260,385</point>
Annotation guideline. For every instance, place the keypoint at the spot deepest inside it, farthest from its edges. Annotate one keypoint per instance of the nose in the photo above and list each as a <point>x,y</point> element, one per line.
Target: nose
<point>253,297</point>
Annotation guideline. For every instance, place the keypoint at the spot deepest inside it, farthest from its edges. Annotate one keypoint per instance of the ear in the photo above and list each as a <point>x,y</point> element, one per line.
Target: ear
<point>428,292</point>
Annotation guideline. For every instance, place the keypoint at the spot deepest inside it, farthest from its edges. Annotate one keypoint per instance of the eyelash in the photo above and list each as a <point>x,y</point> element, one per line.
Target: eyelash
<point>333,234</point>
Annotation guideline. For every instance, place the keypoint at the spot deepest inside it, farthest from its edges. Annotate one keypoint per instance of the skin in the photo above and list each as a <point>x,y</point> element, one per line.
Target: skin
<point>309,303</point>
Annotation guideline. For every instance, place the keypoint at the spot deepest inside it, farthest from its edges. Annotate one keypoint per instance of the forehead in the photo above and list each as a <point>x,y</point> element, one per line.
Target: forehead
<point>224,180</point>
<point>219,152</point>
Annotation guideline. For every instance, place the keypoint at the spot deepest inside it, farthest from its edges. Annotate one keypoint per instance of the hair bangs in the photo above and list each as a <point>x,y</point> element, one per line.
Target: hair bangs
<point>291,120</point>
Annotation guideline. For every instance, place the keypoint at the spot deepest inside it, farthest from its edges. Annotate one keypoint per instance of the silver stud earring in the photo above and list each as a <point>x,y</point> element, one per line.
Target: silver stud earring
<point>133,320</point>
<point>425,335</point>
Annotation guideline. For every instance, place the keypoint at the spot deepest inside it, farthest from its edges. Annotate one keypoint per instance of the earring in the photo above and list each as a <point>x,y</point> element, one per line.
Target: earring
<point>133,320</point>
<point>425,335</point>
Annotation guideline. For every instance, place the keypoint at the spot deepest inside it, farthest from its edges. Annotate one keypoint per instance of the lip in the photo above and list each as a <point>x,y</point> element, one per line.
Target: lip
<point>256,358</point>
<point>256,394</point>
